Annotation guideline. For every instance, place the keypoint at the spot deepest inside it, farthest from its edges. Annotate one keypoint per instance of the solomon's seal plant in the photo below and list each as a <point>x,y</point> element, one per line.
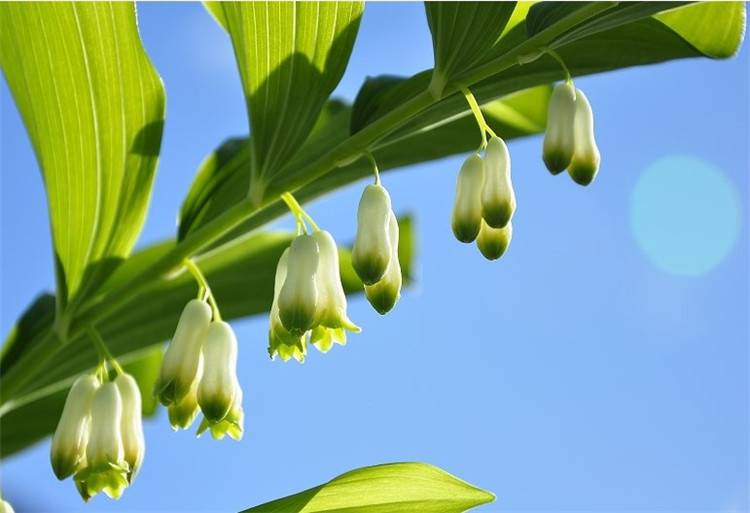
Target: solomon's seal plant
<point>504,67</point>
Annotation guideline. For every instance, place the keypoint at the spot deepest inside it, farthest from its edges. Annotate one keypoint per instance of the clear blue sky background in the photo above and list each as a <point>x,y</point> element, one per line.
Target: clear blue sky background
<point>602,365</point>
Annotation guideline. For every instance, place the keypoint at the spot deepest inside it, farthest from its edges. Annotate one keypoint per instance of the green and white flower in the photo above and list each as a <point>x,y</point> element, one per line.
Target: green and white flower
<point>133,442</point>
<point>280,341</point>
<point>493,242</point>
<point>232,424</point>
<point>217,385</point>
<point>68,452</point>
<point>106,468</point>
<point>180,364</point>
<point>5,507</point>
<point>498,197</point>
<point>559,137</point>
<point>299,297</point>
<point>585,163</point>
<point>384,294</point>
<point>182,413</point>
<point>467,207</point>
<point>371,252</point>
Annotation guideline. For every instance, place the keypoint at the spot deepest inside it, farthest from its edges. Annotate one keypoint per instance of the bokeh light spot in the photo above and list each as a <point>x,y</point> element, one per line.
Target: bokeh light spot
<point>685,215</point>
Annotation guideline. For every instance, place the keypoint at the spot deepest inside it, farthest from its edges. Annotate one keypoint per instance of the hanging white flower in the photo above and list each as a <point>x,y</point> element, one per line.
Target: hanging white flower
<point>493,242</point>
<point>371,252</point>
<point>232,424</point>
<point>68,450</point>
<point>216,388</point>
<point>298,299</point>
<point>559,137</point>
<point>467,207</point>
<point>384,294</point>
<point>182,413</point>
<point>585,163</point>
<point>133,442</point>
<point>280,341</point>
<point>498,197</point>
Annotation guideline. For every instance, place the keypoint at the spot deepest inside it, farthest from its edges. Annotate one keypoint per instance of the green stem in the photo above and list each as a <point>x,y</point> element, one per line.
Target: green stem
<point>103,350</point>
<point>375,169</point>
<point>556,56</point>
<point>298,211</point>
<point>203,284</point>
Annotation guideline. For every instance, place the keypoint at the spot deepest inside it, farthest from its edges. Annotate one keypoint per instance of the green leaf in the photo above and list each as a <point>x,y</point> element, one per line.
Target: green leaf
<point>388,488</point>
<point>690,23</point>
<point>241,275</point>
<point>94,109</point>
<point>462,34</point>
<point>290,56</point>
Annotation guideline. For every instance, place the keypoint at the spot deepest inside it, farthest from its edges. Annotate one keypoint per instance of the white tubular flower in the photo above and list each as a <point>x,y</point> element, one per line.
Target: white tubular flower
<point>232,424</point>
<point>498,197</point>
<point>280,341</point>
<point>5,507</point>
<point>216,388</point>
<point>182,413</point>
<point>493,242</point>
<point>68,451</point>
<point>371,251</point>
<point>385,293</point>
<point>559,138</point>
<point>585,163</point>
<point>133,442</point>
<point>467,208</point>
<point>180,364</point>
<point>298,299</point>
<point>331,318</point>
<point>106,469</point>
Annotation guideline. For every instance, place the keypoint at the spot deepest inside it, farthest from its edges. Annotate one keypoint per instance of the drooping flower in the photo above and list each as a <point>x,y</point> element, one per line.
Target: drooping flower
<point>180,364</point>
<point>384,294</point>
<point>299,297</point>
<point>217,385</point>
<point>5,507</point>
<point>493,242</point>
<point>133,442</point>
<point>467,207</point>
<point>280,341</point>
<point>68,451</point>
<point>232,424</point>
<point>559,137</point>
<point>332,318</point>
<point>498,197</point>
<point>371,252</point>
<point>585,162</point>
<point>182,413</point>
<point>106,468</point>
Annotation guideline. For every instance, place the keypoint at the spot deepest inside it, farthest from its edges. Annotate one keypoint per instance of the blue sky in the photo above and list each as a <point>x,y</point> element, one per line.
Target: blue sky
<point>601,365</point>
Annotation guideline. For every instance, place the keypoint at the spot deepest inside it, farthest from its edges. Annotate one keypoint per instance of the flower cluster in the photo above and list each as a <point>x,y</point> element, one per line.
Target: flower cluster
<point>485,201</point>
<point>569,139</point>
<point>99,437</point>
<point>199,373</point>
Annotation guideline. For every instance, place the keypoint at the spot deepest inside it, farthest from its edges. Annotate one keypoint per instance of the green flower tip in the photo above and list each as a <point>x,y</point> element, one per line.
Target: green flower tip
<point>108,478</point>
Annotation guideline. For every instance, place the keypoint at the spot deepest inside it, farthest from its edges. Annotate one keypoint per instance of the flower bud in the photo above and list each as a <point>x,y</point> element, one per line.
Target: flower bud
<point>371,251</point>
<point>180,364</point>
<point>232,423</point>
<point>69,442</point>
<point>182,413</point>
<point>133,442</point>
<point>298,299</point>
<point>280,341</point>
<point>467,208</point>
<point>558,138</point>
<point>106,469</point>
<point>498,197</point>
<point>5,507</point>
<point>585,163</point>
<point>216,388</point>
<point>384,294</point>
<point>493,242</point>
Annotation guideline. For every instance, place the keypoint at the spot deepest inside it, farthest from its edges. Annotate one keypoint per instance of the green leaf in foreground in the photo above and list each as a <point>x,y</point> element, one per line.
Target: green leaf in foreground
<point>389,488</point>
<point>94,108</point>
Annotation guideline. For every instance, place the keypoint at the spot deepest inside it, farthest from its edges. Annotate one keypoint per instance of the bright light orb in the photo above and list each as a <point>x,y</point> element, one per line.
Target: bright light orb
<point>685,215</point>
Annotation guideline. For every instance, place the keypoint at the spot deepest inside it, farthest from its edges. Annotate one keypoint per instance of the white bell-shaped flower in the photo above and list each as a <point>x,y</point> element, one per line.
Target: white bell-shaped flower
<point>585,163</point>
<point>498,197</point>
<point>133,442</point>
<point>216,388</point>
<point>332,318</point>
<point>5,507</point>
<point>182,413</point>
<point>384,294</point>
<point>68,451</point>
<point>180,364</point>
<point>106,469</point>
<point>232,424</point>
<point>280,341</point>
<point>299,297</point>
<point>493,242</point>
<point>467,207</point>
<point>559,137</point>
<point>371,252</point>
